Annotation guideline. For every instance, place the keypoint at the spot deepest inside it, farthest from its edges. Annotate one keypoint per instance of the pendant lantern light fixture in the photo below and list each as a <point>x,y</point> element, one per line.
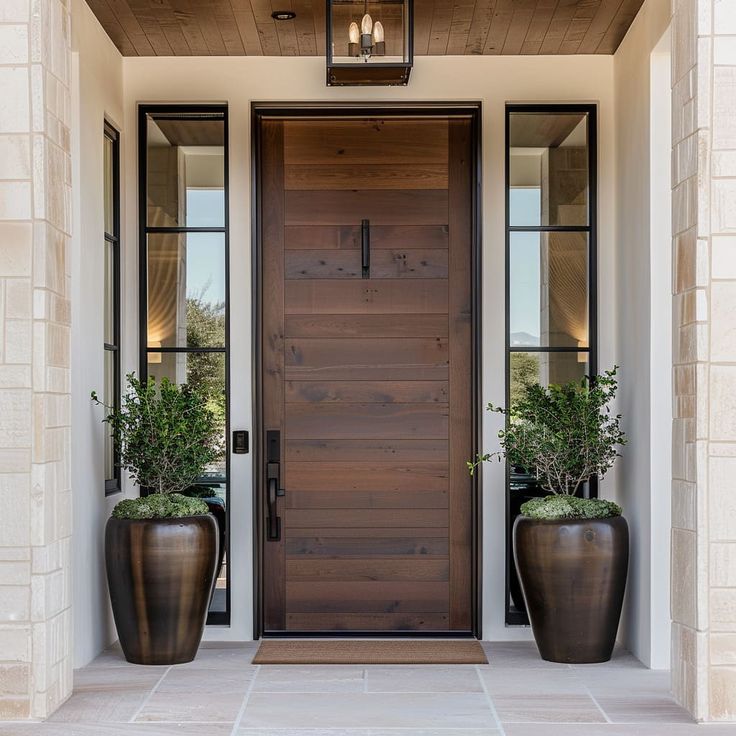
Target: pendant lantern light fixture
<point>369,43</point>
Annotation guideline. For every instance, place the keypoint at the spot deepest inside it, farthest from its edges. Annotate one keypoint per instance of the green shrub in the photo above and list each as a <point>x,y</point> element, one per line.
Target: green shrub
<point>165,436</point>
<point>569,507</point>
<point>562,436</point>
<point>159,506</point>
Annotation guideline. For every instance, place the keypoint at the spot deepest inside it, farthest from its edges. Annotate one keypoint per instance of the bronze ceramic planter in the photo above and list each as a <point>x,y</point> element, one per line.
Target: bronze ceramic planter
<point>573,576</point>
<point>161,573</point>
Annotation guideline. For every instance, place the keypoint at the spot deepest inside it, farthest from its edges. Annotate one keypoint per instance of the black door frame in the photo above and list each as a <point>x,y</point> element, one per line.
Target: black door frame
<point>264,110</point>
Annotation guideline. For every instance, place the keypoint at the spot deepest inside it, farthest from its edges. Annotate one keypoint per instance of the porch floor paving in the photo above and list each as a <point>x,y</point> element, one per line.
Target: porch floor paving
<point>222,694</point>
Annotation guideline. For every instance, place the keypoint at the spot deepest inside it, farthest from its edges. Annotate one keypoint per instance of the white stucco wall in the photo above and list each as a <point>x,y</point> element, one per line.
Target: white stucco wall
<point>97,95</point>
<point>643,338</point>
<point>492,80</point>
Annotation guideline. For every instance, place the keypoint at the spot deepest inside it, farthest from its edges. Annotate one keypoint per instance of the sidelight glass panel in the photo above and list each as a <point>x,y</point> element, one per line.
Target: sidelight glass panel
<point>110,243</point>
<point>110,400</point>
<point>185,171</point>
<point>548,168</point>
<point>545,368</point>
<point>184,272</point>
<point>109,286</point>
<point>186,290</point>
<point>108,186</point>
<point>548,289</point>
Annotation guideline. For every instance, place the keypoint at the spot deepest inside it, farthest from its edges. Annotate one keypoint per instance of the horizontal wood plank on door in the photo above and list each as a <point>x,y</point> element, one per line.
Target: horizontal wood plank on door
<point>379,392</point>
<point>391,296</point>
<point>366,421</point>
<point>420,263</point>
<point>381,207</point>
<point>366,325</point>
<point>367,569</point>
<point>323,237</point>
<point>367,596</point>
<point>372,358</point>
<point>367,622</point>
<point>365,176</point>
<point>365,450</point>
<point>376,546</point>
<point>365,141</point>
<point>365,518</point>
<point>408,236</point>
<point>370,476</point>
<point>423,499</point>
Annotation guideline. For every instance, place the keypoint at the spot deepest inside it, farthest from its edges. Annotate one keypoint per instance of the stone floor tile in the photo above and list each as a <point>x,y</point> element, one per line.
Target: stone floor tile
<point>619,658</point>
<point>557,708</point>
<point>134,677</point>
<point>428,679</point>
<point>517,654</point>
<point>114,729</point>
<point>619,681</point>
<point>232,657</point>
<point>199,680</point>
<point>643,709</point>
<point>316,679</point>
<point>614,729</point>
<point>529,681</point>
<point>101,706</point>
<point>368,710</point>
<point>188,707</point>
<point>113,657</point>
<point>369,732</point>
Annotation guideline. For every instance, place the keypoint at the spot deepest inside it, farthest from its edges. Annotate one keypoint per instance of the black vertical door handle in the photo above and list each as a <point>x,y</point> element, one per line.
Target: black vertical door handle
<point>273,481</point>
<point>365,247</point>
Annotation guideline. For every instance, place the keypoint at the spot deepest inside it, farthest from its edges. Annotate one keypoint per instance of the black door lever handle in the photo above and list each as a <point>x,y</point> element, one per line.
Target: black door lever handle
<point>365,248</point>
<point>273,479</point>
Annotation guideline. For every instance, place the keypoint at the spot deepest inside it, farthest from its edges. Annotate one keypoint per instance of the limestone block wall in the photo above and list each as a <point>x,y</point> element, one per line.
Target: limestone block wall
<point>35,495</point>
<point>704,432</point>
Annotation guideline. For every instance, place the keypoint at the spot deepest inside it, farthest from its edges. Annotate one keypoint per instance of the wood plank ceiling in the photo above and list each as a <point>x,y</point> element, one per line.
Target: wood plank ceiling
<point>442,27</point>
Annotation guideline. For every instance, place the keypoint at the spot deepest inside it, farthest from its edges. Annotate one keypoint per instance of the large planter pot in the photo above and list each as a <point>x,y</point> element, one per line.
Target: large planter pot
<point>161,573</point>
<point>573,576</point>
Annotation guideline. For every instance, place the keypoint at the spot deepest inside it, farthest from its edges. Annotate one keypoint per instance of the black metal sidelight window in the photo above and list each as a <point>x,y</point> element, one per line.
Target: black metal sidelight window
<point>184,284</point>
<point>550,271</point>
<point>111,280</point>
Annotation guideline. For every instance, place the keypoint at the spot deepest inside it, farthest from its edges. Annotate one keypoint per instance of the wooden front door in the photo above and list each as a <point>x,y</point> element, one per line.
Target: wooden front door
<point>365,378</point>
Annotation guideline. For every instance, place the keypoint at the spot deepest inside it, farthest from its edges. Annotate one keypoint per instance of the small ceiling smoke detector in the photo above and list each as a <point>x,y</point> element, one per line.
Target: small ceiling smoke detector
<point>283,15</point>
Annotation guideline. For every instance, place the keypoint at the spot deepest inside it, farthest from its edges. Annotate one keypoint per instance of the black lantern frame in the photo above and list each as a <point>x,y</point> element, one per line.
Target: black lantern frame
<point>372,72</point>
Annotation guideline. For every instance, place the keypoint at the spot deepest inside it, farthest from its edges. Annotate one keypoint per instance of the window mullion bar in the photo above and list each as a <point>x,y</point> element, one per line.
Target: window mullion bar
<point>550,349</point>
<point>153,230</point>
<point>549,228</point>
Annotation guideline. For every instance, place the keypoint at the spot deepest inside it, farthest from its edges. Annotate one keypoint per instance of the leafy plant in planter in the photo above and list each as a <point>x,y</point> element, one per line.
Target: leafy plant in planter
<point>563,436</point>
<point>161,549</point>
<point>571,553</point>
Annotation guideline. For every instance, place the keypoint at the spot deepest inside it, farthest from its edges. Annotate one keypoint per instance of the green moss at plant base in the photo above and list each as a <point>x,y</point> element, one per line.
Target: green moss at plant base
<point>555,507</point>
<point>159,506</point>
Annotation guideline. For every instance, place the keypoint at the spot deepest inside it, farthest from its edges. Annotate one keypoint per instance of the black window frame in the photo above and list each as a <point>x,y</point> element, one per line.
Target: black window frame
<point>214,618</point>
<point>515,617</point>
<point>114,485</point>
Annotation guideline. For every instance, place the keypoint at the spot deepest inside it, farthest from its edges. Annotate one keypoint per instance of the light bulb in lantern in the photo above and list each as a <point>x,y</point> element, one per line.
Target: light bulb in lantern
<point>354,33</point>
<point>378,32</point>
<point>366,25</point>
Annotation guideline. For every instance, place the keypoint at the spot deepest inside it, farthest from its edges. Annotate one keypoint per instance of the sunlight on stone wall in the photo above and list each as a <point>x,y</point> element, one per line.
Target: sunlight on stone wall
<point>35,493</point>
<point>704,430</point>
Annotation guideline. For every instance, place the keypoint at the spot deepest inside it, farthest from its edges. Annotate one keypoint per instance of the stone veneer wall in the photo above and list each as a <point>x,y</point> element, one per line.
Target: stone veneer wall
<point>704,432</point>
<point>35,494</point>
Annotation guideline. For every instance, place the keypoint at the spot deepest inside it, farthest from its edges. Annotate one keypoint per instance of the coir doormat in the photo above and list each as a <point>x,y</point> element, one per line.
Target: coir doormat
<point>370,651</point>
